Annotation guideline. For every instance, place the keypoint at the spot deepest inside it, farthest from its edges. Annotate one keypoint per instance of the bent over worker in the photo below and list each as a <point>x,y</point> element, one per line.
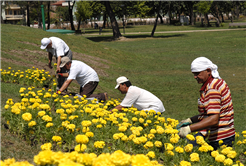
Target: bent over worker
<point>58,48</point>
<point>86,77</point>
<point>216,115</point>
<point>138,97</point>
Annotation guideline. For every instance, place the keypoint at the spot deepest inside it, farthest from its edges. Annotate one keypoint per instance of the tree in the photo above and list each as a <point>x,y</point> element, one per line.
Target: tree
<point>83,12</point>
<point>114,24</point>
<point>70,11</point>
<point>204,8</point>
<point>190,5</point>
<point>156,20</point>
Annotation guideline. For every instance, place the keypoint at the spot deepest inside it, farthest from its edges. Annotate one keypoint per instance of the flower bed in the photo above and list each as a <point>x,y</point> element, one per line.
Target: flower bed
<point>95,136</point>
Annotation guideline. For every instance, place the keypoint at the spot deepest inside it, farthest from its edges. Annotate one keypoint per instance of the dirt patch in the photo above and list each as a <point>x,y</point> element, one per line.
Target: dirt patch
<point>32,59</point>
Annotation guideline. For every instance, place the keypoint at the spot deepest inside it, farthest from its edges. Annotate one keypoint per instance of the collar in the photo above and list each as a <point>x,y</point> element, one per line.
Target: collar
<point>206,83</point>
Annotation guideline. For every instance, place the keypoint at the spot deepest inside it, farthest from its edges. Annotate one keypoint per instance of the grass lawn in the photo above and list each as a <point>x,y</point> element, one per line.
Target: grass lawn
<point>160,65</point>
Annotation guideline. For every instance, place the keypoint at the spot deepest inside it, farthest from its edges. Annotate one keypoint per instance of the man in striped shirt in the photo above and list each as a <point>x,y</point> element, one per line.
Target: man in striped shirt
<point>216,115</point>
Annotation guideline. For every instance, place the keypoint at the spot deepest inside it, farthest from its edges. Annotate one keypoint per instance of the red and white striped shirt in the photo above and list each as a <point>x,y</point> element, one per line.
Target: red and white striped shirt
<point>215,98</point>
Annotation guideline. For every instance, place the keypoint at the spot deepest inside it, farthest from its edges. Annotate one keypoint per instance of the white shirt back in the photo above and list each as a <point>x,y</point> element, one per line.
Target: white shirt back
<point>59,47</point>
<point>142,100</point>
<point>82,73</point>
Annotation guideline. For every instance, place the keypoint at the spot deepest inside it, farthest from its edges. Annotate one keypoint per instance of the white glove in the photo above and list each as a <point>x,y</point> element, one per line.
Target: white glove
<point>184,123</point>
<point>184,131</point>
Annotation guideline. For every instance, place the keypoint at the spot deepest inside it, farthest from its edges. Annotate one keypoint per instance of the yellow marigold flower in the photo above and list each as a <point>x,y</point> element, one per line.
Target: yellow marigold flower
<point>80,148</point>
<point>220,158</point>
<point>148,145</point>
<point>179,149</point>
<point>200,140</point>
<point>232,154</point>
<point>169,153</point>
<point>190,137</point>
<point>46,146</point>
<point>99,126</point>
<point>228,161</point>
<point>158,144</point>
<point>41,113</point>
<point>188,148</point>
<point>32,123</point>
<point>43,158</point>
<point>99,144</point>
<point>140,159</point>
<point>103,160</point>
<point>9,161</point>
<point>124,138</point>
<point>153,131</point>
<point>27,116</point>
<point>47,118</point>
<point>119,158</point>
<point>141,120</point>
<point>214,153</point>
<point>174,140</point>
<point>226,150</point>
<point>122,128</point>
<point>56,138</point>
<point>168,146</point>
<point>184,163</point>
<point>151,154</point>
<point>220,142</point>
<point>49,124</point>
<point>86,123</point>
<point>89,134</point>
<point>194,157</point>
<point>82,139</point>
<point>134,119</point>
<point>151,136</point>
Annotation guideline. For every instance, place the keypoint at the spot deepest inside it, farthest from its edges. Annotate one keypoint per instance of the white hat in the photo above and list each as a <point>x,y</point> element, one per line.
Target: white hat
<point>120,80</point>
<point>64,61</point>
<point>203,63</point>
<point>44,43</point>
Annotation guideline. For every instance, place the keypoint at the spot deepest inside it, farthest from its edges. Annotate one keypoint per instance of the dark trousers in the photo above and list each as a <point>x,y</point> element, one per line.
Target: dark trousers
<point>89,88</point>
<point>215,144</point>
<point>61,79</point>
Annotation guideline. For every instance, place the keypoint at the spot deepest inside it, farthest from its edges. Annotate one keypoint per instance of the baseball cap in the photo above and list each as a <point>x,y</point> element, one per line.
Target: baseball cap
<point>120,80</point>
<point>64,61</point>
<point>44,43</point>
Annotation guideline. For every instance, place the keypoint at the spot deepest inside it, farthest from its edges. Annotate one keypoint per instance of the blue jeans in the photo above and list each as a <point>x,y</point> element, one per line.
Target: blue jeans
<point>215,144</point>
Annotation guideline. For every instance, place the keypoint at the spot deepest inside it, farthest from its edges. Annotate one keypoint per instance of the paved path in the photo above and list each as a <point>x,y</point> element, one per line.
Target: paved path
<point>187,31</point>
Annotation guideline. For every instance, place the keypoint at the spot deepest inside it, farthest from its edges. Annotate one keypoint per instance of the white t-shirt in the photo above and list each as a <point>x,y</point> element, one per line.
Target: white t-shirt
<point>59,47</point>
<point>142,100</point>
<point>82,73</point>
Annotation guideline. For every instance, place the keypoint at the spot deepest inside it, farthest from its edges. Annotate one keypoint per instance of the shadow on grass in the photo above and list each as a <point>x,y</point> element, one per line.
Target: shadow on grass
<point>139,36</point>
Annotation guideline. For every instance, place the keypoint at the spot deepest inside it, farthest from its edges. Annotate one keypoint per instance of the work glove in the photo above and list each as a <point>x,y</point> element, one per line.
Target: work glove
<point>184,123</point>
<point>184,131</point>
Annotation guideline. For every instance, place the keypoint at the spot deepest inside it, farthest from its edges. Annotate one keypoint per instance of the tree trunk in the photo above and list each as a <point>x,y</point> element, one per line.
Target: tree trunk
<point>190,4</point>
<point>27,15</point>
<point>39,16</point>
<point>169,13</point>
<point>222,17</point>
<point>160,18</point>
<point>114,24</point>
<point>104,20</point>
<point>206,16</point>
<point>79,20</point>
<point>156,20</point>
<point>48,15</point>
<point>70,11</point>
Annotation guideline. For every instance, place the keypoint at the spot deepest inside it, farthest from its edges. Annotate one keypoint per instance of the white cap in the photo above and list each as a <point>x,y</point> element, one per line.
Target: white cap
<point>120,80</point>
<point>44,43</point>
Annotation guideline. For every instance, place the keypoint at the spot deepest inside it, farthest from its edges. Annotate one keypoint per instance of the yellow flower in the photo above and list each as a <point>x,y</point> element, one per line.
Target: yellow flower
<point>32,123</point>
<point>220,142</point>
<point>140,159</point>
<point>56,138</point>
<point>82,139</point>
<point>86,123</point>
<point>27,116</point>
<point>194,157</point>
<point>168,146</point>
<point>80,148</point>
<point>232,154</point>
<point>220,158</point>
<point>185,163</point>
<point>179,149</point>
<point>200,140</point>
<point>49,124</point>
<point>120,158</point>
<point>151,154</point>
<point>99,144</point>
<point>122,128</point>
<point>158,144</point>
<point>148,145</point>
<point>169,153</point>
<point>89,134</point>
<point>46,146</point>
<point>190,137</point>
<point>188,148</point>
<point>228,161</point>
<point>141,120</point>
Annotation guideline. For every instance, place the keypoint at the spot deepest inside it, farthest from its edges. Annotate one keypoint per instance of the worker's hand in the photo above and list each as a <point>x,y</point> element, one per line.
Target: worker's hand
<point>184,131</point>
<point>60,74</point>
<point>58,69</point>
<point>184,123</point>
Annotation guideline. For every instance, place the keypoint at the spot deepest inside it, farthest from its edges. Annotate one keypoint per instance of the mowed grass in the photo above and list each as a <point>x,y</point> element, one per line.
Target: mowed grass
<point>160,65</point>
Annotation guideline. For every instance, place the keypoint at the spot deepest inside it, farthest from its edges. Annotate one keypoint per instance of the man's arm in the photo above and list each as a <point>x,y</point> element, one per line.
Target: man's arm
<point>50,59</point>
<point>63,74</point>
<point>58,64</point>
<point>205,123</point>
<point>118,107</point>
<point>65,85</point>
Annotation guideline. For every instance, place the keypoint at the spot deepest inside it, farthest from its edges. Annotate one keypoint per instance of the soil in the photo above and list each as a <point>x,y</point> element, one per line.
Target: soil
<point>31,58</point>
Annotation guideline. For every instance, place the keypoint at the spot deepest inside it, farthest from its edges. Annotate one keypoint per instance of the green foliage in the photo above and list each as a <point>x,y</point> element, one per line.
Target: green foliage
<point>63,13</point>
<point>84,10</point>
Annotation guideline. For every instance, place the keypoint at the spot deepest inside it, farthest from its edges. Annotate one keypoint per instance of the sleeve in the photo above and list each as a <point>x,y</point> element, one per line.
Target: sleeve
<point>73,74</point>
<point>60,50</point>
<point>213,100</point>
<point>130,98</point>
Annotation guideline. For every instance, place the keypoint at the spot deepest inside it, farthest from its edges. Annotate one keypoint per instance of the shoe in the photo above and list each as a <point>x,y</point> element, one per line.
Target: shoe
<point>106,96</point>
<point>79,95</point>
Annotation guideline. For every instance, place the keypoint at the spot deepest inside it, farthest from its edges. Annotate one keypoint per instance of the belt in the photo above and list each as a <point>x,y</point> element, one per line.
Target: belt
<point>66,53</point>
